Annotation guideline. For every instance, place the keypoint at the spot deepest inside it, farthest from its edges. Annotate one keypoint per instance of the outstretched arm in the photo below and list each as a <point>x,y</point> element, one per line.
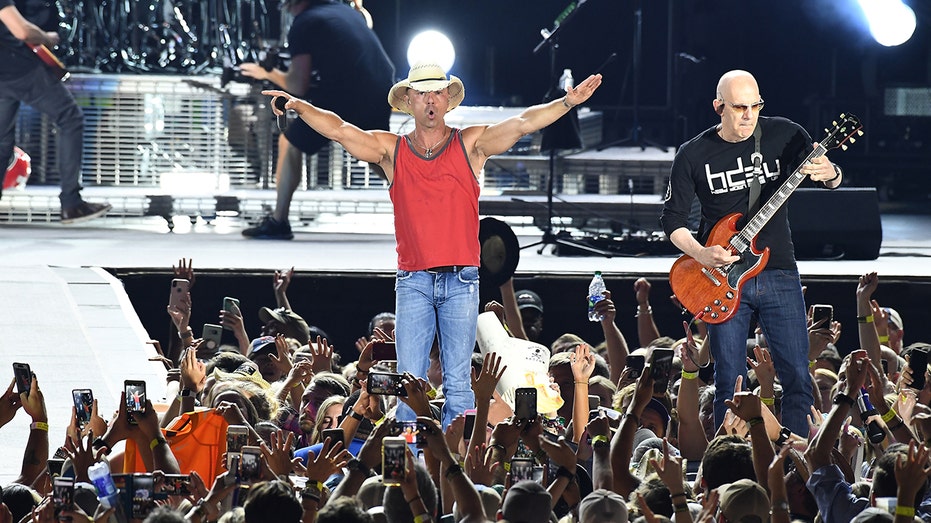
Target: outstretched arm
<point>498,138</point>
<point>368,146</point>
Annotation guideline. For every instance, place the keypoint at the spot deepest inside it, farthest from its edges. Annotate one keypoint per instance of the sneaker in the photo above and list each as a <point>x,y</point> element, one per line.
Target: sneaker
<point>84,212</point>
<point>269,229</point>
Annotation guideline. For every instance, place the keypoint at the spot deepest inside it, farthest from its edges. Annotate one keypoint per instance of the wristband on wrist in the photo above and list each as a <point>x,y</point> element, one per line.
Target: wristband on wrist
<point>39,425</point>
<point>356,416</point>
<point>156,442</point>
<point>884,339</point>
<point>566,104</point>
<point>680,508</point>
<point>908,512</point>
<point>865,319</point>
<point>769,402</point>
<point>686,375</point>
<point>382,420</point>
<point>842,398</point>
<point>423,518</point>
<point>837,173</point>
<point>898,423</point>
<point>753,422</point>
<point>811,363</point>
<point>453,470</point>
<point>599,439</point>
<point>887,417</point>
<point>641,311</point>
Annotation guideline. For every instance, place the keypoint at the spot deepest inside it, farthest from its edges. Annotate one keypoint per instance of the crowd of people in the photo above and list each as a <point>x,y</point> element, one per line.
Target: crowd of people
<point>629,440</point>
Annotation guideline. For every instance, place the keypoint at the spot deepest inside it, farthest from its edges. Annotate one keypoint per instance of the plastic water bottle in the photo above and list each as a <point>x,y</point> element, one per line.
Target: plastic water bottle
<point>99,474</point>
<point>566,81</point>
<point>596,293</point>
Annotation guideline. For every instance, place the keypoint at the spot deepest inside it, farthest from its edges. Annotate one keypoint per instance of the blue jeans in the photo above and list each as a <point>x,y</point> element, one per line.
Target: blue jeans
<point>46,94</point>
<point>444,304</point>
<point>776,297</point>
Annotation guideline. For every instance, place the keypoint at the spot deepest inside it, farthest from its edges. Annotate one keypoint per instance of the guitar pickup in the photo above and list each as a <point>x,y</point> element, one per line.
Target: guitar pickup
<point>707,273</point>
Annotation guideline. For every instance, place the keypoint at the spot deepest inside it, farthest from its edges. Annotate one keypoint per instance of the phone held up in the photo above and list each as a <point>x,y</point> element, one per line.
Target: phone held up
<point>918,362</point>
<point>384,351</point>
<point>661,368</point>
<point>179,287</point>
<point>386,384</point>
<point>823,314</point>
<point>83,405</point>
<point>135,399</point>
<point>525,404</point>
<point>23,375</point>
<point>393,459</point>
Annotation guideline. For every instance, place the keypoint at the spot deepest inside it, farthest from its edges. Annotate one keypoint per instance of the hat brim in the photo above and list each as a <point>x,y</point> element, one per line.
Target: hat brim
<point>500,251</point>
<point>399,91</point>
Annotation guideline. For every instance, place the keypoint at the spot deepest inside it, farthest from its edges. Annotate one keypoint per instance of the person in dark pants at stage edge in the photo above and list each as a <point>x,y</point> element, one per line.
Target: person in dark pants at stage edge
<point>337,63</point>
<point>716,166</point>
<point>24,78</point>
<point>433,183</point>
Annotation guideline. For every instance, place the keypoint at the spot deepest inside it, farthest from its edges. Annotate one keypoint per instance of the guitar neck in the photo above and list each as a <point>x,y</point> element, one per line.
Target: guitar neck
<point>742,240</point>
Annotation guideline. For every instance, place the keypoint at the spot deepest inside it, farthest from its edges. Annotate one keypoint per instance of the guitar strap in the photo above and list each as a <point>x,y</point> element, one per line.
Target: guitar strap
<point>757,158</point>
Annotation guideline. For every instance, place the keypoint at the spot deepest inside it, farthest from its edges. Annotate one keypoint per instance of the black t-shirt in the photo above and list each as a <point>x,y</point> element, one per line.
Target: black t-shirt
<point>15,57</point>
<point>349,66</point>
<point>719,173</point>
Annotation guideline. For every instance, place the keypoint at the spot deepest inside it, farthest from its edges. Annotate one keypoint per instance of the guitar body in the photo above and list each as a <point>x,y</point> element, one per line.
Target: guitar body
<point>51,61</point>
<point>713,295</point>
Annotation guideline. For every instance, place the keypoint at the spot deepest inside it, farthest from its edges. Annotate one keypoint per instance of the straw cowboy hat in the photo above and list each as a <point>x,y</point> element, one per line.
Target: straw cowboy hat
<point>426,77</point>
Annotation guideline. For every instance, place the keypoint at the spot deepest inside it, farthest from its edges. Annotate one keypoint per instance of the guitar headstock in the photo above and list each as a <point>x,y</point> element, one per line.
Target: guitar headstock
<point>843,131</point>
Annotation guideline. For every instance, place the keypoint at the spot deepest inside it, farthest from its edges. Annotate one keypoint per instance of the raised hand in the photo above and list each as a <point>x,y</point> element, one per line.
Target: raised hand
<point>185,270</point>
<point>416,399</point>
<point>278,454</point>
<point>181,314</point>
<point>282,356</point>
<point>484,383</point>
<point>746,405</point>
<point>281,281</point>
<point>9,403</point>
<point>642,291</point>
<point>606,308</point>
<point>669,469</point>
<point>582,363</point>
<point>479,466</point>
<point>193,371</point>
<point>322,355</point>
<point>763,366</point>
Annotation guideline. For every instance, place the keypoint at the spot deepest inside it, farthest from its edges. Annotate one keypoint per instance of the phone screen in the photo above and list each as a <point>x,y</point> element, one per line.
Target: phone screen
<point>250,469</point>
<point>83,405</point>
<point>521,469</point>
<point>63,493</point>
<point>823,312</point>
<point>384,351</point>
<point>410,431</point>
<point>237,437</point>
<point>143,495</point>
<point>635,363</point>
<point>179,287</point>
<point>469,423</point>
<point>525,403</point>
<point>135,399</point>
<point>393,460</point>
<point>918,362</point>
<point>212,335</point>
<point>386,383</point>
<point>177,485</point>
<point>661,368</point>
<point>336,436</point>
<point>23,375</point>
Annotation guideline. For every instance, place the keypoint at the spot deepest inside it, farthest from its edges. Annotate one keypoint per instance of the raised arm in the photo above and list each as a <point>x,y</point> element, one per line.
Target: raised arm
<point>614,338</point>
<point>368,146</point>
<point>869,339</point>
<point>819,450</point>
<point>498,138</point>
<point>646,327</point>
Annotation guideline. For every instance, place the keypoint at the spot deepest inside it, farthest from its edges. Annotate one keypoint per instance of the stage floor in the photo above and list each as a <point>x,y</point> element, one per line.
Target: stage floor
<point>362,243</point>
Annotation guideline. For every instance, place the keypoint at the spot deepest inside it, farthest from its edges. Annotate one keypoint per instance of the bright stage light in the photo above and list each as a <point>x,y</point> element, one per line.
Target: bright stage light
<point>891,22</point>
<point>432,46</point>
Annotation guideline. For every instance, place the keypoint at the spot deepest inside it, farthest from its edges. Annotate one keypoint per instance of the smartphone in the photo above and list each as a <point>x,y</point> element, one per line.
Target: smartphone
<point>177,485</point>
<point>822,312</point>
<point>521,469</point>
<point>23,375</point>
<point>237,437</point>
<point>918,362</point>
<point>232,465</point>
<point>525,403</point>
<point>231,305</point>
<point>179,287</point>
<point>143,495</point>
<point>63,493</point>
<point>661,368</point>
<point>384,351</point>
<point>54,466</point>
<point>393,459</point>
<point>635,363</point>
<point>250,465</point>
<point>386,383</point>
<point>83,405</point>
<point>335,435</point>
<point>211,334</point>
<point>469,424</point>
<point>593,402</point>
<point>135,399</point>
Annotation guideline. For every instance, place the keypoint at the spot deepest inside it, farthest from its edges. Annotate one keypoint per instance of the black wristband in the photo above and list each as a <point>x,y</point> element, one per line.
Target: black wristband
<point>452,470</point>
<point>842,398</point>
<point>100,443</point>
<point>356,416</point>
<point>563,472</point>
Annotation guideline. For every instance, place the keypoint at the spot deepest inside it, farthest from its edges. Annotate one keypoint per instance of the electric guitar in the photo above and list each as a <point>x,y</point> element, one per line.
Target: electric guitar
<point>712,294</point>
<point>51,61</point>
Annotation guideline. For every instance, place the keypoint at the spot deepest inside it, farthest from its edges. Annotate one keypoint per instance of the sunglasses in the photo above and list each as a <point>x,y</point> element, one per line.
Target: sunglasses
<point>742,108</point>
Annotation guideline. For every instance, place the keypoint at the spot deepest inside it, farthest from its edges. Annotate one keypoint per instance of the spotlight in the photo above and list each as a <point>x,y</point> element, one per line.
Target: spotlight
<point>432,46</point>
<point>891,22</point>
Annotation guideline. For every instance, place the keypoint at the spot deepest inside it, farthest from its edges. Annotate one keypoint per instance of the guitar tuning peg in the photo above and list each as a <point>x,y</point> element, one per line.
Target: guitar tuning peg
<point>834,123</point>
<point>827,130</point>
<point>859,133</point>
<point>853,140</point>
<point>843,147</point>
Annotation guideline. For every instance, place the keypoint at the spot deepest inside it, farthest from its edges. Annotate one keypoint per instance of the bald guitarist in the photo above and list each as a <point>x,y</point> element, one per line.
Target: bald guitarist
<point>24,78</point>
<point>717,166</point>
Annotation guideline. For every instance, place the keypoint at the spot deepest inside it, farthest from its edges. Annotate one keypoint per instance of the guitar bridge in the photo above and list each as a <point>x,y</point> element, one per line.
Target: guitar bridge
<point>707,273</point>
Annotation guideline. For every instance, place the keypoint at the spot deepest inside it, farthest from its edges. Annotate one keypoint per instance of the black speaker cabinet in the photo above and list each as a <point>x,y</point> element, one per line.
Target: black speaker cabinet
<point>839,224</point>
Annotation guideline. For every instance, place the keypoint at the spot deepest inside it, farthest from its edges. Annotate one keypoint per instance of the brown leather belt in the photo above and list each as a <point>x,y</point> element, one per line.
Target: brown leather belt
<point>447,268</point>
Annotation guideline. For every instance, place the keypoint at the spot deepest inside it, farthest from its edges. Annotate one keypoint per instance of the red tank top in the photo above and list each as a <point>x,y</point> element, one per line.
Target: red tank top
<point>435,206</point>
